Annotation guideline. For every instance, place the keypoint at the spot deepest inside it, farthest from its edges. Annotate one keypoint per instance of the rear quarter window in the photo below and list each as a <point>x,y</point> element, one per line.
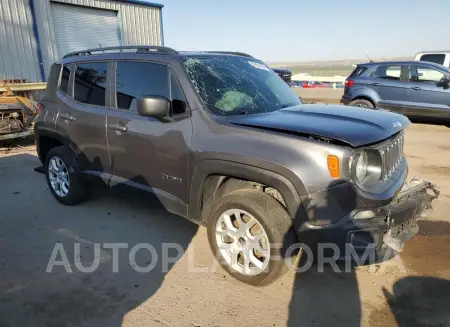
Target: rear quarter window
<point>64,81</point>
<point>358,71</point>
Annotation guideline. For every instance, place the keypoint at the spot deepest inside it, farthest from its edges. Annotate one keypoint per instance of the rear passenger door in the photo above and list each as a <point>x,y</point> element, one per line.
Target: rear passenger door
<point>82,115</point>
<point>146,152</point>
<point>388,82</point>
<point>425,96</point>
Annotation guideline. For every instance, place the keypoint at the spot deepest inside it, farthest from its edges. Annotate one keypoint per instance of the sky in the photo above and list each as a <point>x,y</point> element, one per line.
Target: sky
<point>308,30</point>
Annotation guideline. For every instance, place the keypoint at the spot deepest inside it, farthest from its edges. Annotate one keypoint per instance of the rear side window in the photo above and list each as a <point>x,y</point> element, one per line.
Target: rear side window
<point>436,58</point>
<point>139,79</point>
<point>65,75</point>
<point>359,70</point>
<point>388,72</point>
<point>90,83</point>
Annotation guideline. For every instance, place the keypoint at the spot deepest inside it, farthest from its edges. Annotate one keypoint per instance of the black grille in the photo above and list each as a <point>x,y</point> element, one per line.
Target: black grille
<point>392,155</point>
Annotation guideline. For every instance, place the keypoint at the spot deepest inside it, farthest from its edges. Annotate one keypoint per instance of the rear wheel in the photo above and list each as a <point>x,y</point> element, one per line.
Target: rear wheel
<point>362,103</point>
<point>65,182</point>
<point>249,232</point>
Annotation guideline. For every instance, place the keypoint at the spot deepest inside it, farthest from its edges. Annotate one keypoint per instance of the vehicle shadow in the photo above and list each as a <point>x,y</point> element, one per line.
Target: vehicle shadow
<point>422,299</point>
<point>7,145</point>
<point>327,293</point>
<point>74,292</point>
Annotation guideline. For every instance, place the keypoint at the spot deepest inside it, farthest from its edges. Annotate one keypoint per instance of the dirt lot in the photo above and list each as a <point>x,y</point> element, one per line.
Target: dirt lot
<point>411,290</point>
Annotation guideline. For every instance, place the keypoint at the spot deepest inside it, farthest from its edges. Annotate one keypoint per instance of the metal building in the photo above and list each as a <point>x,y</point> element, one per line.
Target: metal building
<point>36,33</point>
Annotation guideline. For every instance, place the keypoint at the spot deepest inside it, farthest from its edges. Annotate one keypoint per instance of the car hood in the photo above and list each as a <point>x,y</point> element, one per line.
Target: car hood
<point>352,125</point>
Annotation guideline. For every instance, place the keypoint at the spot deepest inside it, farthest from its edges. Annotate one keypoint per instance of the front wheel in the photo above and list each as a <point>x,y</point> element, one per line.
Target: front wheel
<point>249,233</point>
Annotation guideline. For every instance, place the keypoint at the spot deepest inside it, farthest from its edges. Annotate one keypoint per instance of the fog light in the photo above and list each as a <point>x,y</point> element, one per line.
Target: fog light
<point>366,214</point>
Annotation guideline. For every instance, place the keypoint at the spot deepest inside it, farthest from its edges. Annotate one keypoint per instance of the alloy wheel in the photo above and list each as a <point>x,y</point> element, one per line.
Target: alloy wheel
<point>58,176</point>
<point>242,242</point>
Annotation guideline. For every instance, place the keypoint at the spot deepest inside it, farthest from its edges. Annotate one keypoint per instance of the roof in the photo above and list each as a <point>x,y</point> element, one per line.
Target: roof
<point>410,62</point>
<point>142,3</point>
<point>433,52</point>
<point>141,51</point>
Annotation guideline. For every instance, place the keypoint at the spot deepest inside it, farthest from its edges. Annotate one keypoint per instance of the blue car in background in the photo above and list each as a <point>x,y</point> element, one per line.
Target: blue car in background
<point>413,88</point>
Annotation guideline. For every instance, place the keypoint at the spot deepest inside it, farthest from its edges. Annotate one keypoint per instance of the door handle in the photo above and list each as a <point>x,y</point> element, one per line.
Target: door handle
<point>116,127</point>
<point>416,88</point>
<point>67,117</point>
<point>375,84</point>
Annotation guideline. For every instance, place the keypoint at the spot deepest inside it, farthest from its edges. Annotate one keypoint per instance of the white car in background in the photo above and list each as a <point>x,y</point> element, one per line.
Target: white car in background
<point>438,57</point>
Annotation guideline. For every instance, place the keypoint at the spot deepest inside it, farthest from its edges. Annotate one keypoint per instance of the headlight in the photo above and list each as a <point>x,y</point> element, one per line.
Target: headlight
<point>367,167</point>
<point>361,167</point>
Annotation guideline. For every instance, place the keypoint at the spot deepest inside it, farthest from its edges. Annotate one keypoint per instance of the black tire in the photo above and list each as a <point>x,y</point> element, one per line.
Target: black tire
<point>273,218</point>
<point>362,103</point>
<point>78,190</point>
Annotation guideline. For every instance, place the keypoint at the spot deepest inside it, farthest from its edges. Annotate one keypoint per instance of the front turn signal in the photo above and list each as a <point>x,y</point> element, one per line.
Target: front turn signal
<point>333,166</point>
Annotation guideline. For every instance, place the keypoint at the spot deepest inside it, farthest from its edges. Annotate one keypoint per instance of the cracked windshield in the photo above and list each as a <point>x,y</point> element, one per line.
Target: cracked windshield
<point>232,85</point>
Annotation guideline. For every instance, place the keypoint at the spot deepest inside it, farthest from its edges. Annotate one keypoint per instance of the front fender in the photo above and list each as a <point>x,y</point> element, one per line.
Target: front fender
<point>247,171</point>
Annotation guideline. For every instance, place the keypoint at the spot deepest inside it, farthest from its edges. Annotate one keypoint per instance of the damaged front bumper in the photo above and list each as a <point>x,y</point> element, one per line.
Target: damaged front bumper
<point>377,228</point>
<point>413,202</point>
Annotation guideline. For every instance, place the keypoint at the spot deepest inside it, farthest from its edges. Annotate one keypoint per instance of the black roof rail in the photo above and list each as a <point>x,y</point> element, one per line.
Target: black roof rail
<point>232,53</point>
<point>139,48</point>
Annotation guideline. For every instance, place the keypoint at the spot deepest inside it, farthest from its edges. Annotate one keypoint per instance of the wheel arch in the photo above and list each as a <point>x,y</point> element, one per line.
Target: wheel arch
<point>45,141</point>
<point>210,175</point>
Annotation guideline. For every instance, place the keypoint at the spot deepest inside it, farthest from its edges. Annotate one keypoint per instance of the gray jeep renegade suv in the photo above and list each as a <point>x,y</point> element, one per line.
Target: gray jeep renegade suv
<point>220,139</point>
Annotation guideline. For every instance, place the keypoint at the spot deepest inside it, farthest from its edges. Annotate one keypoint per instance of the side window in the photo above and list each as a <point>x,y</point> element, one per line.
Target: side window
<point>177,96</point>
<point>436,58</point>
<point>359,70</point>
<point>424,74</point>
<point>139,79</point>
<point>90,83</point>
<point>388,72</point>
<point>65,75</point>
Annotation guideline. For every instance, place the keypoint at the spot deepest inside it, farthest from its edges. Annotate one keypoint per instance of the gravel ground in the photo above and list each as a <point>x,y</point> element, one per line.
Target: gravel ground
<point>410,290</point>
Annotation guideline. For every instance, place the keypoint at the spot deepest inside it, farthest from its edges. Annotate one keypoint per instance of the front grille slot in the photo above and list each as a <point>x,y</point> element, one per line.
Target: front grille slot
<point>391,155</point>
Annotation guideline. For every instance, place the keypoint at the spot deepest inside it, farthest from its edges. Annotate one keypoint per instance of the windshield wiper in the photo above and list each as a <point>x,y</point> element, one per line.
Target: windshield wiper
<point>241,111</point>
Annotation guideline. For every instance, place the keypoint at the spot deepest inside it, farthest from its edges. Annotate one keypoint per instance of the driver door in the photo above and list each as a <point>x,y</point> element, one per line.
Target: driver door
<point>150,153</point>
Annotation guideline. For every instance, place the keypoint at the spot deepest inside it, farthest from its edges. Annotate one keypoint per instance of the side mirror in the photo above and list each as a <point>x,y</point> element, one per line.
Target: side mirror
<point>444,82</point>
<point>153,106</point>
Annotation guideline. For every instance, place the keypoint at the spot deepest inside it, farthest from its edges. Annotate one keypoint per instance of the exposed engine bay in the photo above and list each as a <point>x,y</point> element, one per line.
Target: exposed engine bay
<point>17,115</point>
<point>15,118</point>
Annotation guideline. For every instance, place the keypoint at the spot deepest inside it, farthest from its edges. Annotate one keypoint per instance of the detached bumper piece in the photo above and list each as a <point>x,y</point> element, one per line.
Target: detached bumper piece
<point>415,201</point>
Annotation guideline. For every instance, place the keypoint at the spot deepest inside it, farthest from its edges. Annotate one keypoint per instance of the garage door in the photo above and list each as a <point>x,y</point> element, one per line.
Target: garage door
<point>78,28</point>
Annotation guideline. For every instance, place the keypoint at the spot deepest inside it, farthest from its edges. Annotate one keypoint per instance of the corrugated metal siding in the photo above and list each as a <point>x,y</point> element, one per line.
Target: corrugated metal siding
<point>138,24</point>
<point>18,48</point>
<point>74,25</point>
